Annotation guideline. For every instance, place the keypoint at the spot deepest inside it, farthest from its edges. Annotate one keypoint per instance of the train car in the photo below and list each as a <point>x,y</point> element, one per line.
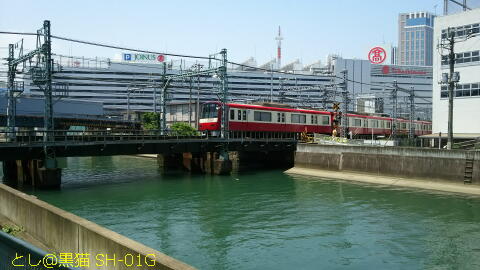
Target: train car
<point>256,118</point>
<point>421,127</point>
<point>369,125</point>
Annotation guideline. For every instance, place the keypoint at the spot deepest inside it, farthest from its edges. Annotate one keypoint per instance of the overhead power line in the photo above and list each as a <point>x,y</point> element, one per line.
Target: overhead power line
<point>109,46</point>
<point>191,56</point>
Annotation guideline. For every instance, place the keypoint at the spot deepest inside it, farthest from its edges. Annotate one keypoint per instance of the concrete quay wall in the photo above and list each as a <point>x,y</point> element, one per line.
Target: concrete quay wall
<point>431,164</point>
<point>65,232</point>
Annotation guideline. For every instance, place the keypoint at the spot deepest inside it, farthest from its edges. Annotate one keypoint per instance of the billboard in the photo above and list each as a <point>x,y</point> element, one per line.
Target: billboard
<point>148,58</point>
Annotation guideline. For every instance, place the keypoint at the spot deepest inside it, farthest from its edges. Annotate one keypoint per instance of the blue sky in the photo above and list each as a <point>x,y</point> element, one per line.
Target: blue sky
<point>311,29</point>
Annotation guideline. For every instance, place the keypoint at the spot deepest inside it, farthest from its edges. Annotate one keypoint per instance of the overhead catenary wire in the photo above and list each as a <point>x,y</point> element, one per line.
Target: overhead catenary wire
<point>196,57</point>
<point>186,56</point>
<point>109,45</point>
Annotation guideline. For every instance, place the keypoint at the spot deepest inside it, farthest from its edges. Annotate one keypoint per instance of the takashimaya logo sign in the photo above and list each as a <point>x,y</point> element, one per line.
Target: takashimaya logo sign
<point>143,57</point>
<point>394,70</point>
<point>377,55</point>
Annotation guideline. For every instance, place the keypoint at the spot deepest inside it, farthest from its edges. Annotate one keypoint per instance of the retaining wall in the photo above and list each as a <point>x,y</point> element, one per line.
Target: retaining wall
<point>65,232</point>
<point>433,164</point>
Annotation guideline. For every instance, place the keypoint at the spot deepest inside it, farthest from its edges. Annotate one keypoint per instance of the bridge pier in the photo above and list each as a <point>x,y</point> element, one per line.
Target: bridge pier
<point>217,163</point>
<point>169,161</point>
<point>19,173</point>
<point>192,162</point>
<point>223,162</point>
<point>246,160</point>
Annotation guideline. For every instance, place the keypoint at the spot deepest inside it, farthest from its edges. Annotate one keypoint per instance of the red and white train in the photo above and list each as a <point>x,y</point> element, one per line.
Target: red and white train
<point>256,118</point>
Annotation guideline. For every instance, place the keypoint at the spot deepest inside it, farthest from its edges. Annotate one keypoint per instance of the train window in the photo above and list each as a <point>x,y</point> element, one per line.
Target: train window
<point>314,119</point>
<point>278,117</point>
<point>357,122</point>
<point>325,120</point>
<point>262,116</point>
<point>299,118</point>
<point>389,124</point>
<point>283,117</point>
<point>244,113</point>
<point>365,122</point>
<point>232,114</point>
<point>210,110</point>
<point>239,115</point>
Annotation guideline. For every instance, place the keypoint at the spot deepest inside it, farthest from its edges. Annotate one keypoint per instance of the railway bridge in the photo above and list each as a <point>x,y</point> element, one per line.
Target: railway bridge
<point>24,162</point>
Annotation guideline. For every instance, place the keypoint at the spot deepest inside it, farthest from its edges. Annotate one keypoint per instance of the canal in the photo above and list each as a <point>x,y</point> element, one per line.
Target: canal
<point>270,220</point>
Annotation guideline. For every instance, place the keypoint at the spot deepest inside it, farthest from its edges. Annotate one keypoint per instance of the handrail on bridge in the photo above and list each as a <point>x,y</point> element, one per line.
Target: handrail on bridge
<point>61,137</point>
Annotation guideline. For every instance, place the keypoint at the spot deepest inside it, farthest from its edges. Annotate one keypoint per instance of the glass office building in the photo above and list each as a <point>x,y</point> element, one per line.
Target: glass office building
<point>415,40</point>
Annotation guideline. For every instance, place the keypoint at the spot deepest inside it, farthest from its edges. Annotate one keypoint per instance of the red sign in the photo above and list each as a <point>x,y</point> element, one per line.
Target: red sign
<point>388,70</point>
<point>161,58</point>
<point>377,55</point>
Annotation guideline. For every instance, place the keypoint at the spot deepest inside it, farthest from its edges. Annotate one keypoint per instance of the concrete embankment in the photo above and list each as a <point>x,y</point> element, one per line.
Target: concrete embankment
<point>64,232</point>
<point>416,167</point>
<point>389,181</point>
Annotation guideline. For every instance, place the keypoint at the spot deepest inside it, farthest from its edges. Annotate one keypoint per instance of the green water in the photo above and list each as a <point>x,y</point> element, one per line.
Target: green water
<point>270,220</point>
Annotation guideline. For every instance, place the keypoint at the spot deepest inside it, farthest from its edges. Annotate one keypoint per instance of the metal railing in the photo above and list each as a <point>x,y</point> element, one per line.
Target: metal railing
<point>468,145</point>
<point>65,137</point>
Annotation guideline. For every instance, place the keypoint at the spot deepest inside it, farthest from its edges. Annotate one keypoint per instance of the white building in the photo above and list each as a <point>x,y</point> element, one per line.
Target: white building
<point>120,84</point>
<point>466,108</point>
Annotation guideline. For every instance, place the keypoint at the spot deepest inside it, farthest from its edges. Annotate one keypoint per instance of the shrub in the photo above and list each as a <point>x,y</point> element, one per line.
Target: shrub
<point>183,129</point>
<point>150,120</point>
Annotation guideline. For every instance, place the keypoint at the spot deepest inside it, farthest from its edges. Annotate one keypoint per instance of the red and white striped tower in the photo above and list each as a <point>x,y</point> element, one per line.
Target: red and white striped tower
<point>279,48</point>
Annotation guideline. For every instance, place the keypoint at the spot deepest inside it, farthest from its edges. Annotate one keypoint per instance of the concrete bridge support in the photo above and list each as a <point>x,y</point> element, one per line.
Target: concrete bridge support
<point>222,162</point>
<point>192,162</point>
<point>169,161</point>
<point>244,160</point>
<point>19,173</point>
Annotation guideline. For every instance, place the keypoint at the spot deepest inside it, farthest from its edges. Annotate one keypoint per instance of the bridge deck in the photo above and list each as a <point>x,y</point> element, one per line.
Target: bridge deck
<point>31,146</point>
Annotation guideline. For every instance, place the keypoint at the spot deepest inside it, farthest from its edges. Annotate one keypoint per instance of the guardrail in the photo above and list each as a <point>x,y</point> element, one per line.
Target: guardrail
<point>61,137</point>
<point>467,145</point>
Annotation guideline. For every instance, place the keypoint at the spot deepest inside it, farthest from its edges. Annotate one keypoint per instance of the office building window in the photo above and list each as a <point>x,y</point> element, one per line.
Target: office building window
<point>465,57</point>
<point>463,30</point>
<point>462,90</point>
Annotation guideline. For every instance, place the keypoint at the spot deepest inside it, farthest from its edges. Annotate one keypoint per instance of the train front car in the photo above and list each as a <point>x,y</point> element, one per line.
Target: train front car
<point>210,116</point>
<point>255,120</point>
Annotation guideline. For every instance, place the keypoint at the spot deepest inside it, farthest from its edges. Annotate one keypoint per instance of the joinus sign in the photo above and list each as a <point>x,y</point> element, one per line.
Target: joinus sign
<point>143,57</point>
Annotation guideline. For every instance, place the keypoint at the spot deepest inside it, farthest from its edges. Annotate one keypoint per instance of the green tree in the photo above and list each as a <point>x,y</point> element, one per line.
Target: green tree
<point>183,129</point>
<point>150,120</point>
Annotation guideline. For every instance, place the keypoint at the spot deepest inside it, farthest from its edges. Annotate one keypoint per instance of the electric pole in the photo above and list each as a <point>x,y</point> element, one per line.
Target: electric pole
<point>11,94</point>
<point>450,79</point>
<point>190,103</point>
<point>345,103</point>
<point>411,133</point>
<point>163,102</point>
<point>224,133</point>
<point>394,122</point>
<point>451,85</point>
